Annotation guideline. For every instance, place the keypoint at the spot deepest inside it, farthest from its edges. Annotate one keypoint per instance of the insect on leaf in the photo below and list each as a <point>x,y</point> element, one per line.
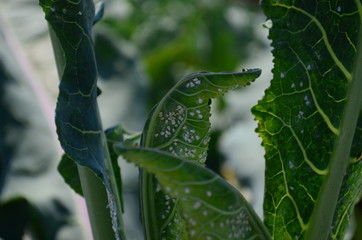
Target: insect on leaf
<point>179,124</point>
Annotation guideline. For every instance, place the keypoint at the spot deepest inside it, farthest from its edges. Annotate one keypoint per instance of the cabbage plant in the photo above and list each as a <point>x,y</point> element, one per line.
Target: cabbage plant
<point>309,120</point>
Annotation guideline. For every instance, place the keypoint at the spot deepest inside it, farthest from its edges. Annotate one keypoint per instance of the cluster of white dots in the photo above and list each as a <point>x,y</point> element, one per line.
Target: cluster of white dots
<point>193,82</point>
<point>307,101</point>
<point>189,134</point>
<point>196,113</point>
<point>239,224</point>
<point>172,120</point>
<point>300,114</point>
<point>64,11</point>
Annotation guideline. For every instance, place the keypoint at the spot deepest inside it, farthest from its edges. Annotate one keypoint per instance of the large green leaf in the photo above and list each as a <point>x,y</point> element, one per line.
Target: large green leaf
<point>315,43</point>
<point>77,116</point>
<point>179,124</point>
<point>210,207</point>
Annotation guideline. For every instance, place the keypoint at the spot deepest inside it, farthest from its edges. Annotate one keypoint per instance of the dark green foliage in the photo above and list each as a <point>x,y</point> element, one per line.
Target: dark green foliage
<point>300,115</point>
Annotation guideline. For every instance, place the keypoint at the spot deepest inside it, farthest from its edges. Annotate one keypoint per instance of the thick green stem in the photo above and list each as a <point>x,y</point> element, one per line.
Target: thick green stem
<point>327,201</point>
<point>97,202</point>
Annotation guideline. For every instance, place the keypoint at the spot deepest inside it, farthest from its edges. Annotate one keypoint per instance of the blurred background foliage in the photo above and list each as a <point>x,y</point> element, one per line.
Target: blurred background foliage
<point>175,38</point>
<point>142,48</point>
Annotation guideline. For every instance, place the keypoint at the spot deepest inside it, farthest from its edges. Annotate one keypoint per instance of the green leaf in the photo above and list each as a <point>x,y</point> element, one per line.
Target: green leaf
<point>315,44</point>
<point>210,207</point>
<point>77,115</point>
<point>69,171</point>
<point>179,124</point>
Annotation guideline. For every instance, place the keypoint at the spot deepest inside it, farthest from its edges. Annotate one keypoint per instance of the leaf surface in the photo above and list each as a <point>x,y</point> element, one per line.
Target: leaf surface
<point>300,116</point>
<point>179,124</point>
<point>211,207</point>
<point>77,115</point>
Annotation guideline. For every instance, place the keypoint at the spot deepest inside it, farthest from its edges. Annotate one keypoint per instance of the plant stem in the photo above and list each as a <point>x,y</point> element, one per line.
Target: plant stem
<point>323,213</point>
<point>148,205</point>
<point>97,202</point>
<point>94,190</point>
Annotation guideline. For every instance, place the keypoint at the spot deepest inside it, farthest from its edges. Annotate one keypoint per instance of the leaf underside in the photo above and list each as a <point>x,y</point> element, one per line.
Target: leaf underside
<point>77,116</point>
<point>179,124</point>
<point>299,117</point>
<point>212,208</point>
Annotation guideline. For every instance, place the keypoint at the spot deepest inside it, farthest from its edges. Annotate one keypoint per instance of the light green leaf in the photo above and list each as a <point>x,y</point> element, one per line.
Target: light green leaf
<point>179,124</point>
<point>211,207</point>
<point>315,45</point>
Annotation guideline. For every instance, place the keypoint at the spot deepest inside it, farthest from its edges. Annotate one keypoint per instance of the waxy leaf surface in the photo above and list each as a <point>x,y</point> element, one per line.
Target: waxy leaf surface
<point>211,208</point>
<point>300,116</point>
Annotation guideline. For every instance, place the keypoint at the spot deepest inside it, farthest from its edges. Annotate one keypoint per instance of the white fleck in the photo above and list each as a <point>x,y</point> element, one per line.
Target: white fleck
<point>309,67</point>
<point>302,131</point>
<point>300,114</point>
<point>199,100</point>
<point>291,164</point>
<point>52,9</point>
<point>339,9</point>
<point>197,204</point>
<point>192,232</point>
<point>187,190</point>
<point>268,24</point>
<point>209,193</point>
<point>192,83</point>
<point>292,86</point>
<point>204,213</point>
<point>168,188</point>
<point>291,188</point>
<point>163,216</point>
<point>80,13</point>
<point>282,75</point>
<point>200,116</point>
<point>64,10</point>
<point>301,84</point>
<point>219,89</point>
